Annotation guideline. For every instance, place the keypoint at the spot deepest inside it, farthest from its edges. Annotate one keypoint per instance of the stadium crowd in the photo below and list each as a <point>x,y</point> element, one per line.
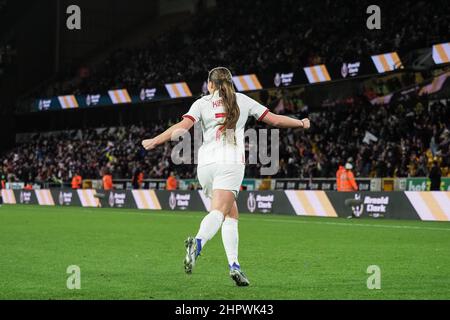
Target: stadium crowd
<point>261,36</point>
<point>399,140</point>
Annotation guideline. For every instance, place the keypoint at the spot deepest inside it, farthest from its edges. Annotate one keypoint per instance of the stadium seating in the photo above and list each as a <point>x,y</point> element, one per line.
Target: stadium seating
<point>315,32</point>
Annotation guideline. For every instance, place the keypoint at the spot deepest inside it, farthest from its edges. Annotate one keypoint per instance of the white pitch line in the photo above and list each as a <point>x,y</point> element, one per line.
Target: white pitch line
<point>161,214</point>
<point>357,224</point>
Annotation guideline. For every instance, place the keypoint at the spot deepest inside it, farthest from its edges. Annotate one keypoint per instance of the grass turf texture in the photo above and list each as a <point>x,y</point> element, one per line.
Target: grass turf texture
<point>131,254</point>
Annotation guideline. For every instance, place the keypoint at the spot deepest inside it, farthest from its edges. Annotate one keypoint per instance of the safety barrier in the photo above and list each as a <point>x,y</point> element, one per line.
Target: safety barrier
<point>418,205</point>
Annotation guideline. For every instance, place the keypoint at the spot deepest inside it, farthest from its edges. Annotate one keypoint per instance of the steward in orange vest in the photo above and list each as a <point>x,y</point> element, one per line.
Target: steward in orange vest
<point>346,180</point>
<point>171,183</point>
<point>338,175</point>
<point>76,181</point>
<point>107,181</point>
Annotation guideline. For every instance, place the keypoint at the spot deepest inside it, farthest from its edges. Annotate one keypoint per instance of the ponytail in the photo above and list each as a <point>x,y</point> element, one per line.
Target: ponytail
<point>232,111</point>
<point>222,81</point>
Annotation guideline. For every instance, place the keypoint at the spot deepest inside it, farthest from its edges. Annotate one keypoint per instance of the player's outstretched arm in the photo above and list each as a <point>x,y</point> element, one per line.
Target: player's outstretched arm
<point>280,121</point>
<point>175,130</point>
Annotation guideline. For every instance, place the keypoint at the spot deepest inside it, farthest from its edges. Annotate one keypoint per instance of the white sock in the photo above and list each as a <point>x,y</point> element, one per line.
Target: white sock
<point>209,226</point>
<point>230,238</point>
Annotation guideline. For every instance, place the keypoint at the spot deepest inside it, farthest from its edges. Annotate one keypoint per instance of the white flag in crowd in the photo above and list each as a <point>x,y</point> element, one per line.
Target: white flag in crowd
<point>369,137</point>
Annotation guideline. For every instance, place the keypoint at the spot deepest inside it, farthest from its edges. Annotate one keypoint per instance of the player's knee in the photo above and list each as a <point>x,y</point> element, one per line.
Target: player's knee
<point>233,214</point>
<point>222,208</point>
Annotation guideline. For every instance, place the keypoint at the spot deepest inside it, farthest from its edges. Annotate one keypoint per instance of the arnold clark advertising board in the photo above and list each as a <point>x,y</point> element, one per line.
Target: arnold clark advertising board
<point>27,197</point>
<point>419,205</point>
<point>118,199</point>
<point>373,204</point>
<point>180,200</point>
<point>264,202</point>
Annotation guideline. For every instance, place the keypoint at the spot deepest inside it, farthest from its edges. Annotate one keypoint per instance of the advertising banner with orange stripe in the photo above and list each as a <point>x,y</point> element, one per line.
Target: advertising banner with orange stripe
<point>68,102</point>
<point>146,199</point>
<point>417,205</point>
<point>441,53</point>
<point>387,62</point>
<point>432,205</point>
<point>178,90</point>
<point>8,196</point>
<point>119,96</point>
<point>88,198</point>
<point>44,197</point>
<point>247,82</point>
<point>317,73</point>
<point>311,203</point>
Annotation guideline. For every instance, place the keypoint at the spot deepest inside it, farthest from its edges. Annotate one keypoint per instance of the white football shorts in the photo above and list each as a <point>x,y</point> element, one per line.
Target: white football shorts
<point>221,176</point>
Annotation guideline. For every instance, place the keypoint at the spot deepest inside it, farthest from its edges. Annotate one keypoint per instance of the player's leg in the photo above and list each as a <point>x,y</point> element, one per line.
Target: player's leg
<point>230,239</point>
<point>221,203</point>
<point>230,178</point>
<point>230,236</point>
<point>212,222</point>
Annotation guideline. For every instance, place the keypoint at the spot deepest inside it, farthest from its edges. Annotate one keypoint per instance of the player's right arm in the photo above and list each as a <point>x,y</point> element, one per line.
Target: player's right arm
<point>177,129</point>
<point>180,127</point>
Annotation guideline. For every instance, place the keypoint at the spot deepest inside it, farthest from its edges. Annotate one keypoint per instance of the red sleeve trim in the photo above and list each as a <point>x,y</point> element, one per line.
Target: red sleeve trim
<point>189,117</point>
<point>263,115</point>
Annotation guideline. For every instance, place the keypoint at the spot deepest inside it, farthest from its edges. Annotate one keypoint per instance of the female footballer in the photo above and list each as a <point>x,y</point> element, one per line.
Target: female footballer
<point>221,160</point>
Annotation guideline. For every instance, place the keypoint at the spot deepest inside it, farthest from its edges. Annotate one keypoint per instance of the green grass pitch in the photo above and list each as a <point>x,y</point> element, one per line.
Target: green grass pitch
<point>131,254</point>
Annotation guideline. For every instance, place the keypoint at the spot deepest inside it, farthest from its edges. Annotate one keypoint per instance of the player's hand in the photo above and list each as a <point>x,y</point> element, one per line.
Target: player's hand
<point>149,144</point>
<point>306,123</point>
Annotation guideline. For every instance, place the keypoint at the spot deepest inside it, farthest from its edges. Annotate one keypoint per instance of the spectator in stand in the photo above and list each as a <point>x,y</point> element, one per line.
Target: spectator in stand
<point>141,179</point>
<point>28,186</point>
<point>138,178</point>
<point>435,177</point>
<point>171,183</point>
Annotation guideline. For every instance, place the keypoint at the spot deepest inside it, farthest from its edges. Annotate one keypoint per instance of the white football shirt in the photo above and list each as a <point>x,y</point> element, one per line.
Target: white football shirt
<point>210,112</point>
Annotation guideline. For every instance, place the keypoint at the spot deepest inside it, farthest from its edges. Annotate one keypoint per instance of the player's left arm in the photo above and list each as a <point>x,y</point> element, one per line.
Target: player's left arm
<point>280,121</point>
<point>173,131</point>
<point>261,113</point>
